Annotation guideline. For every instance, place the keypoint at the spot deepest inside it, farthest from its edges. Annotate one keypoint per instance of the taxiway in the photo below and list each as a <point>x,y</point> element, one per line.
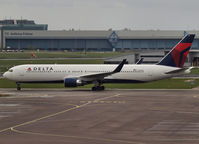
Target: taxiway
<point>112,116</point>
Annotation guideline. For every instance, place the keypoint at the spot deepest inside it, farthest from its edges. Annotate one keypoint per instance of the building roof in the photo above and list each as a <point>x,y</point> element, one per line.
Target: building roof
<point>70,34</point>
<point>22,24</point>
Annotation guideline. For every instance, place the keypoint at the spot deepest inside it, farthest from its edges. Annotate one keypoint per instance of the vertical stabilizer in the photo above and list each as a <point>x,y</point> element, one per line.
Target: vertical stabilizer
<point>177,56</point>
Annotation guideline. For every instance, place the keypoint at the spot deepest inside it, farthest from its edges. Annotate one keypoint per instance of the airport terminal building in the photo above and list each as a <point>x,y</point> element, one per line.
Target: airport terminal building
<point>26,35</point>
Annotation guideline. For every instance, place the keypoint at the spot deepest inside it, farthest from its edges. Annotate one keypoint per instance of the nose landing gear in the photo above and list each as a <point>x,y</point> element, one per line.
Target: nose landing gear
<point>18,86</point>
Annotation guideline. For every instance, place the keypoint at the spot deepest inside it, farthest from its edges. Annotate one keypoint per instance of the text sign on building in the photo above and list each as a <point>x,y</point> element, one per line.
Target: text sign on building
<point>18,33</point>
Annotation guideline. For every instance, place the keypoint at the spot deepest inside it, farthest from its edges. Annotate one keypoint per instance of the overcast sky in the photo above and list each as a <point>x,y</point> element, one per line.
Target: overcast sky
<point>105,14</point>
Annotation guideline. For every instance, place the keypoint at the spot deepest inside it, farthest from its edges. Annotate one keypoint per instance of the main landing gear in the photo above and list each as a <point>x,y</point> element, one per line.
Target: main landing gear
<point>18,86</point>
<point>98,86</point>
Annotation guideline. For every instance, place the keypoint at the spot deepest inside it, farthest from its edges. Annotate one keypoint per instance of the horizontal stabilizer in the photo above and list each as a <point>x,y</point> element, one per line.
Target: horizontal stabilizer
<point>178,70</point>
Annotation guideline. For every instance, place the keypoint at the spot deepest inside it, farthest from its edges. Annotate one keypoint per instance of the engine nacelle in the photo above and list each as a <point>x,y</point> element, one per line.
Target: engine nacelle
<point>72,82</point>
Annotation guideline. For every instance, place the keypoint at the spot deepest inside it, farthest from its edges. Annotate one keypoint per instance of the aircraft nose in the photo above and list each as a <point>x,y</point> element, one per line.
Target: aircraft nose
<point>5,74</point>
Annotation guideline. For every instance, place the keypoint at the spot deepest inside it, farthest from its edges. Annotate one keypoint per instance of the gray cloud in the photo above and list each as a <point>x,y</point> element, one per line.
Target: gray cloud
<point>104,14</point>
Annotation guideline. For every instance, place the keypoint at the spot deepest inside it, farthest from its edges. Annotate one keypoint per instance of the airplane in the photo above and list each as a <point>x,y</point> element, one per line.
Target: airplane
<point>78,75</point>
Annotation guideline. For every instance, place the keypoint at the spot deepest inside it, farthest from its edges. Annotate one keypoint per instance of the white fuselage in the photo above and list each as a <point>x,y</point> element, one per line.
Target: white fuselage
<point>57,72</point>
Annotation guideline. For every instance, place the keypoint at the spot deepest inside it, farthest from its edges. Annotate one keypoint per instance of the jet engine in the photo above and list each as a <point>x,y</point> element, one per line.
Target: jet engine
<point>72,82</point>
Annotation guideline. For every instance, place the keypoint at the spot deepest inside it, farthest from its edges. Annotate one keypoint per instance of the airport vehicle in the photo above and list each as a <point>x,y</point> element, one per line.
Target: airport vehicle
<point>79,75</point>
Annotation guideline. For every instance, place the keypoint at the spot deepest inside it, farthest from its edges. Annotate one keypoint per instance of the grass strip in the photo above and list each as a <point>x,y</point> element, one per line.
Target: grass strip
<point>161,84</point>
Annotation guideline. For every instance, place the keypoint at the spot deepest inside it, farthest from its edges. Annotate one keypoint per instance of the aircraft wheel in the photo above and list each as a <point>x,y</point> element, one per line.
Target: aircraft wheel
<point>18,86</point>
<point>102,88</point>
<point>94,88</point>
<point>99,88</point>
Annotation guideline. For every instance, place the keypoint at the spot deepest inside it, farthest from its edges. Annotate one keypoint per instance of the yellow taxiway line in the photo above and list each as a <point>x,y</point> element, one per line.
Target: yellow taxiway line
<point>55,114</point>
<point>13,128</point>
<point>75,137</point>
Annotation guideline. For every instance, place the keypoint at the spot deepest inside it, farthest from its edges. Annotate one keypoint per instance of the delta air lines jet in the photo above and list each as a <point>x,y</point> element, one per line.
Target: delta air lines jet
<point>79,75</point>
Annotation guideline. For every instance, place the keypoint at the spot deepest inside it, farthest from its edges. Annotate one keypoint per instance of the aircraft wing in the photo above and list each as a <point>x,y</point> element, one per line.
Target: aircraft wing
<point>100,76</point>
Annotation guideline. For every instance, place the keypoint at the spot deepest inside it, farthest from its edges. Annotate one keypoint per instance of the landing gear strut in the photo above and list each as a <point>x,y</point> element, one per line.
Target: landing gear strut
<point>98,86</point>
<point>18,86</point>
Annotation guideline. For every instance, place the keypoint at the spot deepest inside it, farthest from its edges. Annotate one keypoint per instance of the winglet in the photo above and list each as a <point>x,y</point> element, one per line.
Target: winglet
<point>140,61</point>
<point>120,66</point>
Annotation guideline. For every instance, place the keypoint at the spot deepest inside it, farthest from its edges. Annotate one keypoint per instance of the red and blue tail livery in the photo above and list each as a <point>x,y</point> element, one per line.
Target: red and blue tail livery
<point>177,56</point>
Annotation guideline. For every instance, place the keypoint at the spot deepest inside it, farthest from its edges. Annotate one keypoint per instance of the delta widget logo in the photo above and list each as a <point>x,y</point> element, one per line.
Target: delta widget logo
<point>29,69</point>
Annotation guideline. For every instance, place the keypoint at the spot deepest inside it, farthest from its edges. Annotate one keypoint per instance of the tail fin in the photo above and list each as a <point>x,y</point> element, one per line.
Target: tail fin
<point>177,56</point>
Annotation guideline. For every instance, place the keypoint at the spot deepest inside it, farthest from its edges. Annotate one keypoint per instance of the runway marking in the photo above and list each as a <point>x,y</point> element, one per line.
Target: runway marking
<point>58,113</point>
<point>9,105</point>
<point>101,100</point>
<point>105,102</point>
<point>45,117</point>
<point>104,98</point>
<point>196,96</point>
<point>13,128</point>
<point>75,137</point>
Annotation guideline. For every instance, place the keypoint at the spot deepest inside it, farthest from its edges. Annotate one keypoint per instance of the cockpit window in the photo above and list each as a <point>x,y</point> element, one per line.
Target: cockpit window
<point>10,70</point>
